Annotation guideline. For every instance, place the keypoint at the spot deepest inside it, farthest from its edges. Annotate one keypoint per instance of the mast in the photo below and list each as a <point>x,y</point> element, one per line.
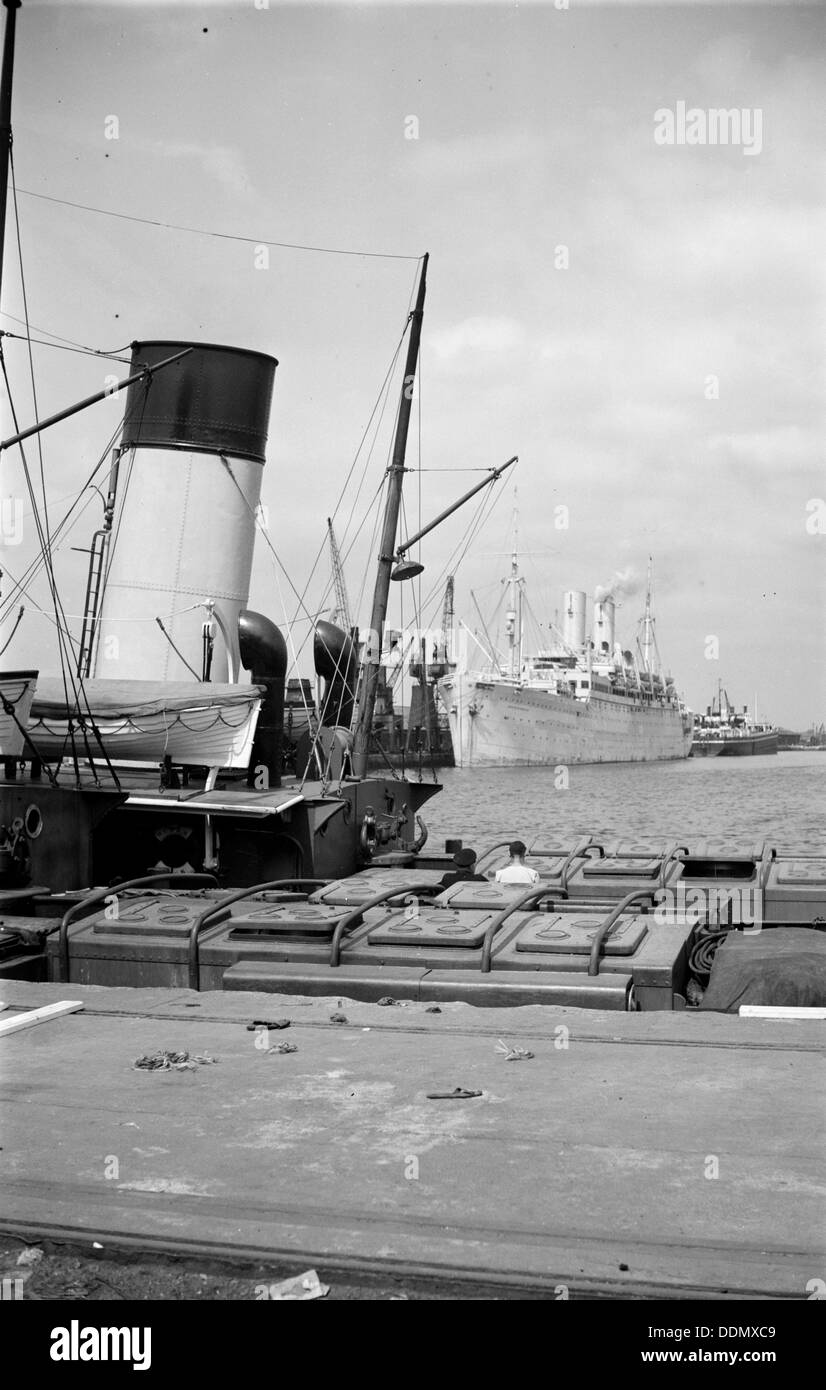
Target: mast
<point>647,640</point>
<point>11,7</point>
<point>520,585</point>
<point>381,593</point>
<point>513,617</point>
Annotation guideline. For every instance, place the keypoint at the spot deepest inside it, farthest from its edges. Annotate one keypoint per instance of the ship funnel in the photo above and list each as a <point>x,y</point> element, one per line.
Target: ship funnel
<point>573,629</point>
<point>192,454</point>
<point>604,614</point>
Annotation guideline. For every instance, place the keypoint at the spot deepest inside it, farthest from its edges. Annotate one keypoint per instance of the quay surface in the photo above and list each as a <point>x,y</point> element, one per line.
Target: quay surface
<point>587,1171</point>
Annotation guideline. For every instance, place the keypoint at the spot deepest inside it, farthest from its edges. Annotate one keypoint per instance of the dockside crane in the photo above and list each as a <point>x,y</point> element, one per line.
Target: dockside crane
<point>341,613</point>
<point>448,620</point>
<point>443,655</point>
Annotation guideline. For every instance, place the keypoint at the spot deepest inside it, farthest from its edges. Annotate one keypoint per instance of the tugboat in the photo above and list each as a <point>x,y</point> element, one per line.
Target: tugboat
<point>723,732</point>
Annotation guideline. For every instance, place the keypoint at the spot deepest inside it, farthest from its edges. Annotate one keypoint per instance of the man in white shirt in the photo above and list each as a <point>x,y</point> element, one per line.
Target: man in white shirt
<point>517,873</point>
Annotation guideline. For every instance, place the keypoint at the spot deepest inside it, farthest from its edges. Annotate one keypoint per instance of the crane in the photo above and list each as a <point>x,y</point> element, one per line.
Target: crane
<point>341,613</point>
<point>443,650</point>
<point>448,620</point>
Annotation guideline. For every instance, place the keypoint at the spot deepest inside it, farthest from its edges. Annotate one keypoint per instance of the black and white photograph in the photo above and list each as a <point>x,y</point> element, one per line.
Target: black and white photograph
<point>412,670</point>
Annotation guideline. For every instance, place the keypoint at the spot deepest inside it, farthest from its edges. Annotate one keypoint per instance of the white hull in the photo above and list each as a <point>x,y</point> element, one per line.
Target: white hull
<point>500,724</point>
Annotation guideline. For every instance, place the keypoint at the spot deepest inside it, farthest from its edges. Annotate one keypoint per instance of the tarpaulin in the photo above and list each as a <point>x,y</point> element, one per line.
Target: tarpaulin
<point>778,965</point>
<point>128,699</point>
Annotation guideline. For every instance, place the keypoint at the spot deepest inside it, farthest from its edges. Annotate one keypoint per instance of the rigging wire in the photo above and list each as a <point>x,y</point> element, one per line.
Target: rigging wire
<point>307,711</point>
<point>381,397</point>
<point>385,396</point>
<point>30,574</point>
<point>221,236</point>
<point>21,585</point>
<point>30,354</point>
<point>64,639</point>
<point>225,461</point>
<point>124,490</point>
<point>373,510</point>
<point>478,520</point>
<point>296,654</point>
<point>436,593</point>
<point>81,347</point>
<point>417,651</point>
<point>178,653</point>
<point>381,401</point>
<point>61,632</point>
<point>10,637</point>
<point>388,464</point>
<point>345,554</point>
<point>124,493</point>
<point>377,510</point>
<point>62,347</point>
<point>167,617</point>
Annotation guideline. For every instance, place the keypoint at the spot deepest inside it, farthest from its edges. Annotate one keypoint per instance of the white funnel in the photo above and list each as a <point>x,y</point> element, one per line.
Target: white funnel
<point>574,623</point>
<point>188,489</point>
<point>604,613</point>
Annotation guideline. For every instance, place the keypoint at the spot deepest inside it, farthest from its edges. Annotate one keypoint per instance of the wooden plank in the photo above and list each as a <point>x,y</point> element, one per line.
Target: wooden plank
<point>788,1011</point>
<point>44,1015</point>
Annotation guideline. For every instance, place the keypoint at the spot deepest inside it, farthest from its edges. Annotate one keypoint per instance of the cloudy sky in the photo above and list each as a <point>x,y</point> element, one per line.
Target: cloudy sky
<point>642,323</point>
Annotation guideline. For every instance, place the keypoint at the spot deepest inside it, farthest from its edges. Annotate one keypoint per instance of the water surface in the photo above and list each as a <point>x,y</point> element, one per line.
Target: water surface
<point>780,798</point>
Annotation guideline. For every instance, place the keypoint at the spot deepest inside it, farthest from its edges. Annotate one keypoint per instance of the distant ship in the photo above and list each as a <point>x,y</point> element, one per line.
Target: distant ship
<point>723,733</point>
<point>585,700</point>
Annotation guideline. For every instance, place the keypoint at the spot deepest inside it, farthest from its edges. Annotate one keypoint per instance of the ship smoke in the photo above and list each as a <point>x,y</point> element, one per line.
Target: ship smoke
<point>623,584</point>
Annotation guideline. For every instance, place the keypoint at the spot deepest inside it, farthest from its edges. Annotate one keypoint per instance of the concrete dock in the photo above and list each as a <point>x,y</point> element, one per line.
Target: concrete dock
<point>671,1155</point>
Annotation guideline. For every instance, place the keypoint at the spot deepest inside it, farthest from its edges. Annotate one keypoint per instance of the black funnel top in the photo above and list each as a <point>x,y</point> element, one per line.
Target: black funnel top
<point>215,400</point>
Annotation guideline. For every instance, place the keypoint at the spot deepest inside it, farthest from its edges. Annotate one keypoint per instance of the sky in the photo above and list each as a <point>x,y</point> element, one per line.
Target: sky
<point>640,322</point>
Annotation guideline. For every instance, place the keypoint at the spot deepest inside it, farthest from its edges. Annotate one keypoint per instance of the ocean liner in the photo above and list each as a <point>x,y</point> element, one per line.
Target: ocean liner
<point>585,699</point>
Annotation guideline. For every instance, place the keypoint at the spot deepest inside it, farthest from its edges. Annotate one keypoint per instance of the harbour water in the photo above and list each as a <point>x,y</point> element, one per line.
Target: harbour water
<point>780,798</point>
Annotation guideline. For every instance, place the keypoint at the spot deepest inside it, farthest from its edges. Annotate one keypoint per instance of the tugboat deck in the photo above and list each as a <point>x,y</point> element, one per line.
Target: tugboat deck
<point>586,1168</point>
